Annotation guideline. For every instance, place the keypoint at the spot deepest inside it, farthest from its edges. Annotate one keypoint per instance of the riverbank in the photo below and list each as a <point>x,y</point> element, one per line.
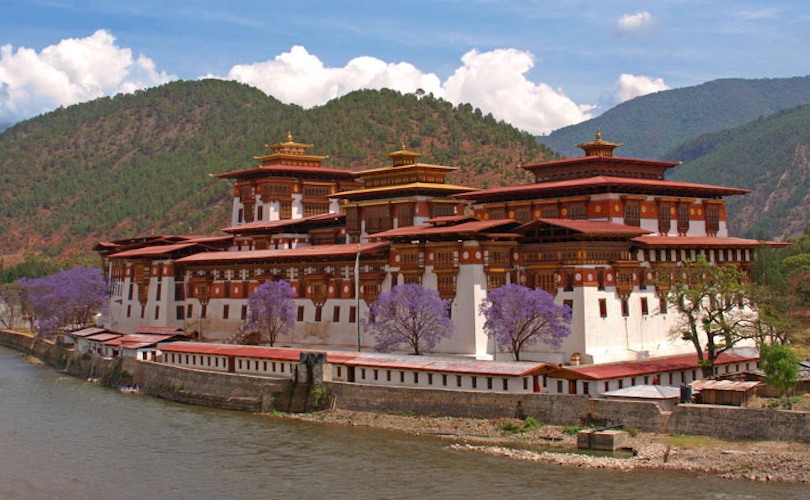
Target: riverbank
<point>750,460</point>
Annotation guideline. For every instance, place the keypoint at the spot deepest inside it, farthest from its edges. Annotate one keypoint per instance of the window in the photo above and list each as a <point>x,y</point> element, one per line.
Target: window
<point>180,312</point>
<point>712,219</point>
<point>489,382</point>
<point>683,218</point>
<point>569,303</point>
<point>336,314</point>
<point>243,314</point>
<point>644,308</point>
<point>559,387</point>
<point>353,314</point>
<point>415,377</point>
<point>129,311</point>
<point>318,313</point>
<point>157,291</point>
<point>586,388</point>
<point>444,379</point>
<point>300,313</point>
<point>664,217</point>
<point>430,379</point>
<point>204,312</point>
<point>632,214</point>
<point>157,312</point>
<point>458,380</point>
<point>226,310</point>
<point>603,308</point>
<point>474,382</point>
<point>662,305</point>
<point>625,308</point>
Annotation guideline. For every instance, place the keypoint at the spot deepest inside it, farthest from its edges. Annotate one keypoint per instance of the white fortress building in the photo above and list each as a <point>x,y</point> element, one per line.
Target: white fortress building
<point>598,232</point>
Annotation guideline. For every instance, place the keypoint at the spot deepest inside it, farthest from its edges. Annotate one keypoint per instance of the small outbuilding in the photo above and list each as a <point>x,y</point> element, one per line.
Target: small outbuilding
<point>724,392</point>
<point>666,396</point>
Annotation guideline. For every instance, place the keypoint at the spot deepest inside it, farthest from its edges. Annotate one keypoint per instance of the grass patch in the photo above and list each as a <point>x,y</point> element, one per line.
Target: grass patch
<point>571,430</point>
<point>689,441</point>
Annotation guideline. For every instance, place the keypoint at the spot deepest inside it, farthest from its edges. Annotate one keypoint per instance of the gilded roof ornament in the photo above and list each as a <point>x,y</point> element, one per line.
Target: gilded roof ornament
<point>599,147</point>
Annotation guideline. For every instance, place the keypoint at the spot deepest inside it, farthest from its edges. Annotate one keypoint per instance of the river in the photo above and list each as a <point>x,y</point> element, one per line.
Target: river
<point>62,437</point>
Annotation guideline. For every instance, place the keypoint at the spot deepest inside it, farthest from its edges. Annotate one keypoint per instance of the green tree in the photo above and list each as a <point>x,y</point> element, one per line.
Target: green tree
<point>781,366</point>
<point>713,302</point>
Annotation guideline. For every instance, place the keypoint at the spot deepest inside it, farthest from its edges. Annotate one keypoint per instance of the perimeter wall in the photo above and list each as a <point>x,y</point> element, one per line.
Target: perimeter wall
<point>262,394</point>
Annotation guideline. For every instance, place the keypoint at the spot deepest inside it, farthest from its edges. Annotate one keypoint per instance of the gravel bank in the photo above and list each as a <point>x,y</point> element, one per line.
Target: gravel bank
<point>759,461</point>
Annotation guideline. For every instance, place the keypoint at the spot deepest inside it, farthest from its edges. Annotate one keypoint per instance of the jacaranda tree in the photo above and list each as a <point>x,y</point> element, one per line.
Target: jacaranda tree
<point>271,313</point>
<point>517,317</point>
<point>409,315</point>
<point>66,299</point>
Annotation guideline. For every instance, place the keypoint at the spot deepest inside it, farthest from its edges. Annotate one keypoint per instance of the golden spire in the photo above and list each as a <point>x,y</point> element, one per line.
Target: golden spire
<point>599,147</point>
<point>289,136</point>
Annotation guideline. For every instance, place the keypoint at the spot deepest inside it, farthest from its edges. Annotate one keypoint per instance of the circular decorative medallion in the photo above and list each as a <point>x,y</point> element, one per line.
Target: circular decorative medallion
<point>465,255</point>
<point>597,208</point>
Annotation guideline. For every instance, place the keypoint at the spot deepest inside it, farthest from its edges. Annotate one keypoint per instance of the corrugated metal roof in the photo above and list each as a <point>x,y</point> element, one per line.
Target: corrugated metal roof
<point>644,367</point>
<point>86,332</point>
<point>723,385</point>
<point>428,230</point>
<point>159,330</point>
<point>590,227</point>
<point>152,251</point>
<point>370,360</point>
<point>303,252</point>
<point>645,392</point>
<point>138,340</point>
<point>696,241</point>
<point>598,181</point>
<point>252,226</point>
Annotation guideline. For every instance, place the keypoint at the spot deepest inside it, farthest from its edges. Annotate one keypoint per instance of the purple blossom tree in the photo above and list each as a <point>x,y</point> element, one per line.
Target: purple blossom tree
<point>271,312</point>
<point>517,317</point>
<point>411,315</point>
<point>66,299</point>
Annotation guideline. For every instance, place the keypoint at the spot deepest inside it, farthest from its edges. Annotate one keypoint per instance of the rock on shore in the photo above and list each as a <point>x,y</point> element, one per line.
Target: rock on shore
<point>760,461</point>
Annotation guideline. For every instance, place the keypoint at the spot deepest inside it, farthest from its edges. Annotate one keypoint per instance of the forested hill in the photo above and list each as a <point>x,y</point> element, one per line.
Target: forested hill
<point>139,163</point>
<point>653,124</point>
<point>771,157</point>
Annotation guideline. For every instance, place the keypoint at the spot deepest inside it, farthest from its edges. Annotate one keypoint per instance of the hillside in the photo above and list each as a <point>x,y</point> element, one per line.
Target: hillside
<point>139,163</point>
<point>771,157</point>
<point>653,124</point>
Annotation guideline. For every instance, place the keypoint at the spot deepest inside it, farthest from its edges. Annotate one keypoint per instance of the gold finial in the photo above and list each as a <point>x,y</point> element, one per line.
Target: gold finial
<point>289,136</point>
<point>598,135</point>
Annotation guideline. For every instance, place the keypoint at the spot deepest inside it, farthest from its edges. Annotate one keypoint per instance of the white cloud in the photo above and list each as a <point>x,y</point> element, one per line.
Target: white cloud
<point>74,70</point>
<point>630,24</point>
<point>629,86</point>
<point>301,78</point>
<point>78,70</point>
<point>493,81</point>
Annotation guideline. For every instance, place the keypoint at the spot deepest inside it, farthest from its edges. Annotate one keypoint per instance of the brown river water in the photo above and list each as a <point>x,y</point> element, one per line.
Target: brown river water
<point>65,438</point>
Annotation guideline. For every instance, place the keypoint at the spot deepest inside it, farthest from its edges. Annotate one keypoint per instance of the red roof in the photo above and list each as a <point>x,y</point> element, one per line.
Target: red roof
<point>645,367</point>
<point>273,224</point>
<point>473,226</point>
<point>298,253</point>
<point>138,341</point>
<point>288,169</point>
<point>598,183</point>
<point>617,160</point>
<point>152,251</point>
<point>696,241</point>
<point>247,351</point>
<point>596,228</point>
<point>372,360</point>
<point>160,330</point>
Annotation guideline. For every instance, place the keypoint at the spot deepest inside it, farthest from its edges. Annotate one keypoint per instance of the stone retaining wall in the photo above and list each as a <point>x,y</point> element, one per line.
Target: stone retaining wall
<point>262,394</point>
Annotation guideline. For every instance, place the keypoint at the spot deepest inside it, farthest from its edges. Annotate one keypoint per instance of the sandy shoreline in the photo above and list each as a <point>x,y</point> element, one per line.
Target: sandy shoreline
<point>759,461</point>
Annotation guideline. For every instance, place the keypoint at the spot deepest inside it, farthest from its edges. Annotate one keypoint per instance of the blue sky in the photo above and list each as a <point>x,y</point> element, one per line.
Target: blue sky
<point>540,65</point>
